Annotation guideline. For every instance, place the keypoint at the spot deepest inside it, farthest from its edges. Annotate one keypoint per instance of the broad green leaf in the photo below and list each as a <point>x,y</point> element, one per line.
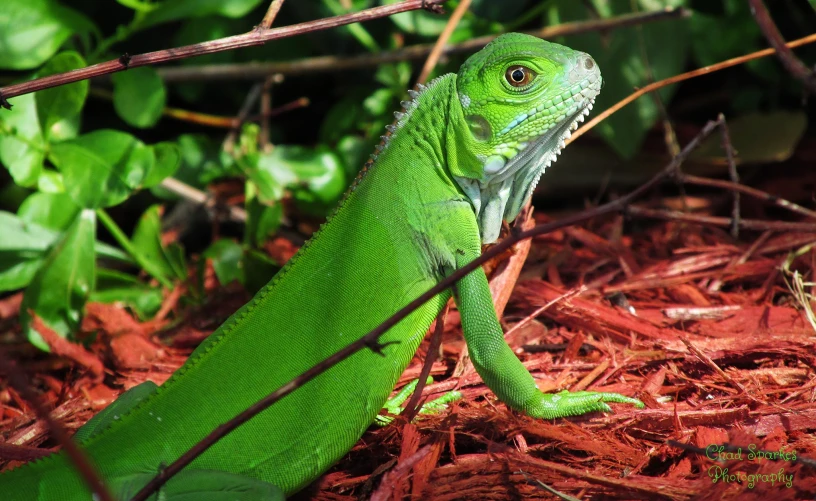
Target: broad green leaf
<point>379,102</point>
<point>139,96</point>
<point>102,168</point>
<point>420,22</point>
<point>629,58</point>
<point>31,31</point>
<point>64,102</point>
<point>167,161</point>
<point>227,260</point>
<point>354,152</point>
<point>55,211</point>
<point>150,253</point>
<point>116,287</point>
<point>173,10</point>
<point>267,177</point>
<point>21,250</point>
<point>58,291</point>
<point>50,181</point>
<point>22,148</point>
<point>24,245</point>
<point>262,221</point>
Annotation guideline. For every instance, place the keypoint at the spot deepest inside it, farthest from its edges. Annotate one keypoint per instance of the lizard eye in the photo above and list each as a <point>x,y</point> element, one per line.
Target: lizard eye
<point>519,76</point>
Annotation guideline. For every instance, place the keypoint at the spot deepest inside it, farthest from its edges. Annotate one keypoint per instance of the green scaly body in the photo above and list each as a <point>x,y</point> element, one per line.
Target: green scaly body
<point>464,156</point>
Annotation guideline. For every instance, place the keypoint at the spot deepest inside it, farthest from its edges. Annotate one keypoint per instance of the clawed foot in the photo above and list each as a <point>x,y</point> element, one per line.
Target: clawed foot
<point>565,403</point>
<point>392,405</point>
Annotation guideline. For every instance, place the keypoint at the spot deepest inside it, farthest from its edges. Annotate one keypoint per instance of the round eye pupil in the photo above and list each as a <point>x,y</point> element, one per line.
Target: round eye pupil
<point>519,76</point>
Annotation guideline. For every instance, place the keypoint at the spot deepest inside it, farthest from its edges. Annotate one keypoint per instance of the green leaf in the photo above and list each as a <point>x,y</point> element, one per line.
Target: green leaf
<point>629,58</point>
<point>173,10</point>
<point>117,287</point>
<point>420,22</point>
<point>21,250</point>
<point>150,253</point>
<point>24,245</point>
<point>58,291</point>
<point>227,260</point>
<point>168,159</point>
<point>102,168</point>
<point>139,96</point>
<point>22,147</point>
<point>31,31</point>
<point>63,102</point>
<point>55,211</point>
<point>353,151</point>
<point>262,221</point>
<point>379,102</point>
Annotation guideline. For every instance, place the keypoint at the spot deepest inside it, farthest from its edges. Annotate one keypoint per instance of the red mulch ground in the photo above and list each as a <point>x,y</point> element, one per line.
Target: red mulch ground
<point>700,326</point>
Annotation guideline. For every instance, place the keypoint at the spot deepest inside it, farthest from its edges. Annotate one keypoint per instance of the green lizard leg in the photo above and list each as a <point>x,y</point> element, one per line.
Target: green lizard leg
<point>392,405</point>
<point>126,401</point>
<point>502,371</point>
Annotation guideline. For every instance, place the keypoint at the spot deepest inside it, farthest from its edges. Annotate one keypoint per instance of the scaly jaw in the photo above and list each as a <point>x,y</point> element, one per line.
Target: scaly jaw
<point>508,184</point>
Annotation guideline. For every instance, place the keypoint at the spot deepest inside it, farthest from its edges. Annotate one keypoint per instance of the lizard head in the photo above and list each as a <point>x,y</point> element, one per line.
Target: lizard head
<point>520,97</point>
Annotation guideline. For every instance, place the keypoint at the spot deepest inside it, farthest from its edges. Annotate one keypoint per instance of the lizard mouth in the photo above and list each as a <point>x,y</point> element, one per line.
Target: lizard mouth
<point>504,190</point>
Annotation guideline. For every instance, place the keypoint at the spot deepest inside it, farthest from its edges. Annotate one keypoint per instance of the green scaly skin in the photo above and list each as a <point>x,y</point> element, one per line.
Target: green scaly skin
<point>464,156</point>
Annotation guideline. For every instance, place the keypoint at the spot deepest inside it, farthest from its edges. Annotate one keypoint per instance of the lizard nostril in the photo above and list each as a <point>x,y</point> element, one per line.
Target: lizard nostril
<point>589,63</point>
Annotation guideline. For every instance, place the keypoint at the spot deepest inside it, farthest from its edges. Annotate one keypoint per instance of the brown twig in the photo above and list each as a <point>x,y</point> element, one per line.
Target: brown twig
<point>78,458</point>
<point>732,173</point>
<point>371,339</point>
<point>250,39</point>
<point>791,63</point>
<point>723,222</point>
<point>741,188</point>
<point>413,405</point>
<point>270,15</point>
<point>254,71</point>
<point>439,46</point>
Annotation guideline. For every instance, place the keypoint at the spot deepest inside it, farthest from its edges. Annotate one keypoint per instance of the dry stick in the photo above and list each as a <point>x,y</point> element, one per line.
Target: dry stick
<point>413,407</point>
<point>271,13</point>
<point>254,71</point>
<point>78,458</point>
<point>258,36</point>
<point>451,25</point>
<point>732,173</point>
<point>741,188</point>
<point>724,222</point>
<point>371,340</point>
<point>791,63</point>
<point>685,76</point>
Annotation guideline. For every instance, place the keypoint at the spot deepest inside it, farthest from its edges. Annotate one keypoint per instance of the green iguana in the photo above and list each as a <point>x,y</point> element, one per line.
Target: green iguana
<point>463,156</point>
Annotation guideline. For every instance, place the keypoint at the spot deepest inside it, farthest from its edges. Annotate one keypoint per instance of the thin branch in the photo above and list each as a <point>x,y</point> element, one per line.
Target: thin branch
<point>191,193</point>
<point>741,188</point>
<point>270,15</point>
<point>253,38</point>
<point>412,407</point>
<point>78,458</point>
<point>723,222</point>
<point>371,340</point>
<point>256,70</point>
<point>733,174</point>
<point>451,25</point>
<point>791,63</point>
